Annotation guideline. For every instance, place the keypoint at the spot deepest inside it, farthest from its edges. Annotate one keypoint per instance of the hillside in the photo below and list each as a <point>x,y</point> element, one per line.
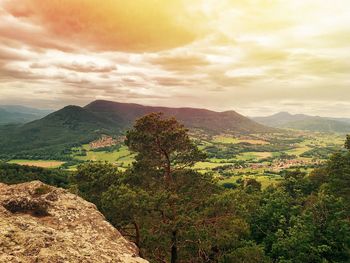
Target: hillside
<point>210,121</point>
<point>279,119</point>
<point>40,223</point>
<point>305,122</point>
<point>318,125</point>
<point>11,114</point>
<point>56,132</point>
<point>52,136</point>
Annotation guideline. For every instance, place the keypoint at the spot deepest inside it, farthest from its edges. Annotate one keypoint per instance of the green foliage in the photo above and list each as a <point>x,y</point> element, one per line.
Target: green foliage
<point>338,176</point>
<point>305,219</point>
<point>297,184</point>
<point>319,152</point>
<point>171,212</point>
<point>347,142</point>
<point>92,179</point>
<point>14,174</point>
<point>175,214</point>
<point>162,144</point>
<point>321,232</point>
<point>252,185</point>
<point>248,253</point>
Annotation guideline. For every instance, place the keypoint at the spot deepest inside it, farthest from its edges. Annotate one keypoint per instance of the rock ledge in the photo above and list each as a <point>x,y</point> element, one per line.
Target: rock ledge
<point>40,223</point>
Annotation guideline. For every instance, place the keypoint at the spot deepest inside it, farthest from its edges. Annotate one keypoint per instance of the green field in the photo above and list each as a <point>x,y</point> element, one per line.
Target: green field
<point>230,157</point>
<point>38,163</point>
<point>264,180</point>
<point>254,155</point>
<point>225,139</point>
<point>122,157</point>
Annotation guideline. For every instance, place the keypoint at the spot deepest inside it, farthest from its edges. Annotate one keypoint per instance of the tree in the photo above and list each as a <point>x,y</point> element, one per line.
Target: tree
<point>251,185</point>
<point>14,174</point>
<point>321,233</point>
<point>176,214</point>
<point>297,184</point>
<point>93,179</point>
<point>171,211</point>
<point>338,176</point>
<point>162,144</point>
<point>347,142</point>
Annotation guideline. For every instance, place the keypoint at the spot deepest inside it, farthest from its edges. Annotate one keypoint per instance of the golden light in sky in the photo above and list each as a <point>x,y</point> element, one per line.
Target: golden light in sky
<point>254,56</point>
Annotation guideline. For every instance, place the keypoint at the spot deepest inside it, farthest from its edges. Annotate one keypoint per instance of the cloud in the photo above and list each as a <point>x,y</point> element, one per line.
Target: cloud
<point>17,33</point>
<point>119,25</point>
<point>252,56</point>
<point>88,67</point>
<point>8,54</point>
<point>179,62</point>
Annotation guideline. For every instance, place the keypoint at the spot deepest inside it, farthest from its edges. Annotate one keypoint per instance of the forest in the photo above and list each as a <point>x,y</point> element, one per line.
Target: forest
<point>174,213</point>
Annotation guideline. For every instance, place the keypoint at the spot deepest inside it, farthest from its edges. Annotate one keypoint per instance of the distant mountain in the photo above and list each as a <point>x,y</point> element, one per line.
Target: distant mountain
<point>305,122</point>
<point>210,121</point>
<point>57,131</point>
<point>73,125</point>
<point>347,120</point>
<point>10,114</point>
<point>319,124</point>
<point>280,119</point>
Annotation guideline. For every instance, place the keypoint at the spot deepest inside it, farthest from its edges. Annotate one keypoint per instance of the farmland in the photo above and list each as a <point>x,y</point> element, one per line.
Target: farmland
<point>38,163</point>
<point>266,157</point>
<point>230,158</point>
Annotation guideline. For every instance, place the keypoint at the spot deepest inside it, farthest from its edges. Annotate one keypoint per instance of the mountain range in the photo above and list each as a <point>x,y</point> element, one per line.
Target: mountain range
<point>74,125</point>
<point>12,114</point>
<point>305,122</point>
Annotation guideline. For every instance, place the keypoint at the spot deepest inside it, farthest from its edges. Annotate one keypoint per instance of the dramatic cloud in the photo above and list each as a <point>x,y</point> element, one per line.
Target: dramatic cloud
<point>138,25</point>
<point>254,56</point>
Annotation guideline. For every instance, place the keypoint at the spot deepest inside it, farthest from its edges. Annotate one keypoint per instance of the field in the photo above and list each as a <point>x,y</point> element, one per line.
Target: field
<point>231,158</point>
<point>228,139</point>
<point>38,163</point>
<point>121,157</point>
<point>264,180</point>
<point>265,157</point>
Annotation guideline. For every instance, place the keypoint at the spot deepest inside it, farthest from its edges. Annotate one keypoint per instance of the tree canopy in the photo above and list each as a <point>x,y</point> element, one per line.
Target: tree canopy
<point>176,214</point>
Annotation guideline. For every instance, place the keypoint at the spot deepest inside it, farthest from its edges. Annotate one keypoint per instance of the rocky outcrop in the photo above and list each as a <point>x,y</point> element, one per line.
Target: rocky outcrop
<point>40,223</point>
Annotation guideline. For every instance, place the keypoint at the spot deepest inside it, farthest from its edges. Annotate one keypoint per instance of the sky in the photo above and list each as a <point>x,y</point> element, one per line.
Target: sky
<point>257,57</point>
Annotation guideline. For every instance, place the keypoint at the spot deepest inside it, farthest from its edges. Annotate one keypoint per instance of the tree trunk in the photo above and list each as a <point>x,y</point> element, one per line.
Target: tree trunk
<point>174,247</point>
<point>137,237</point>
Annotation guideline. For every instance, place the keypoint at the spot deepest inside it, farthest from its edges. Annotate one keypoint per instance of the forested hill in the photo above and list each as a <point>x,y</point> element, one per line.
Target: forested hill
<point>56,133</point>
<point>210,121</point>
<point>305,122</point>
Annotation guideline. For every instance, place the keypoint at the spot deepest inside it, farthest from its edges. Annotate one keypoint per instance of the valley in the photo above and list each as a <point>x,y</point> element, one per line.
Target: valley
<point>209,175</point>
<point>236,147</point>
<point>230,158</point>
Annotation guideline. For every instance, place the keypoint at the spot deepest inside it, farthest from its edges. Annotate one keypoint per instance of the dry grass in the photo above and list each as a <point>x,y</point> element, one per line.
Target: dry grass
<point>38,163</point>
